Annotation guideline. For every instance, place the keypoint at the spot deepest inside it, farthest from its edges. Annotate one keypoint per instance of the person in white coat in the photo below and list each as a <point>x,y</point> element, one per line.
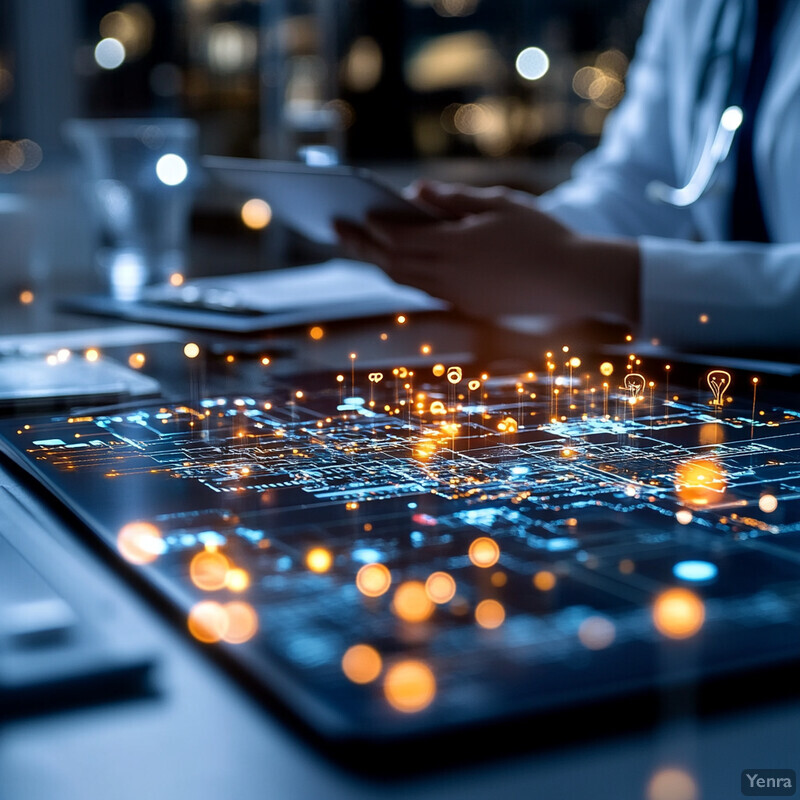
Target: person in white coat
<point>684,222</point>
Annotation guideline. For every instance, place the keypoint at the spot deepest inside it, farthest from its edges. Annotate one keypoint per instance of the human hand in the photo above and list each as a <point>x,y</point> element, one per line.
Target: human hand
<point>496,254</point>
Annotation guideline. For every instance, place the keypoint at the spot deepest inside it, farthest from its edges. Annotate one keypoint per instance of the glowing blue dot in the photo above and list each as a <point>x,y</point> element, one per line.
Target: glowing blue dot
<point>532,63</point>
<point>412,505</point>
<point>109,53</point>
<point>519,470</point>
<point>696,571</point>
<point>171,169</point>
<point>367,555</point>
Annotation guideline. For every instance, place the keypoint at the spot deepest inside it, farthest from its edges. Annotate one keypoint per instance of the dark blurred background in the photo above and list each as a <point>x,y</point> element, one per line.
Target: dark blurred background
<point>486,91</point>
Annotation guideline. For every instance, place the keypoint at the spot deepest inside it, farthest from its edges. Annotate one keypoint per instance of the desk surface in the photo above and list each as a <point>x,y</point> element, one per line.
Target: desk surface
<point>200,735</point>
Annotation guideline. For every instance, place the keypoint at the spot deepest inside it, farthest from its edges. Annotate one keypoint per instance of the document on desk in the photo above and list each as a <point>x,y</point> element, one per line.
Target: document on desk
<point>338,289</point>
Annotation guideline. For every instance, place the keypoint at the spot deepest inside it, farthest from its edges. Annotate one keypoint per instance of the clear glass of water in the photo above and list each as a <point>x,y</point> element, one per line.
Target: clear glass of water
<point>139,175</point>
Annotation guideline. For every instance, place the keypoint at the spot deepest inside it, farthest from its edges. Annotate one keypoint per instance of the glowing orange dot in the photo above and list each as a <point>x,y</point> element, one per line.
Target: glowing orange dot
<point>700,482</point>
<point>425,349</point>
<point>208,570</point>
<point>606,369</point>
<point>499,579</point>
<point>401,318</point>
<point>26,297</point>
<point>265,361</point>
<point>256,214</point>
<point>340,378</point>
<point>319,559</point>
<point>703,318</point>
<point>208,622</point>
<point>298,394</point>
<point>409,686</point>
<point>440,587</point>
<point>678,613</point>
<point>316,332</point>
<point>242,622</point>
<point>574,362</point>
<point>629,338</point>
<point>237,580</point>
<point>490,614</point>
<point>373,580</point>
<point>191,350</point>
<point>671,783</point>
<point>230,358</point>
<point>544,580</point>
<point>176,279</point>
<point>484,552</point>
<point>91,354</point>
<point>438,370</point>
<point>361,663</point>
<point>626,566</point>
<point>136,360</point>
<point>411,602</point>
<point>768,503</point>
<point>140,542</point>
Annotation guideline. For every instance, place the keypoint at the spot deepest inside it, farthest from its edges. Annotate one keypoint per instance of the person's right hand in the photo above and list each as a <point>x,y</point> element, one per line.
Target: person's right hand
<point>495,253</point>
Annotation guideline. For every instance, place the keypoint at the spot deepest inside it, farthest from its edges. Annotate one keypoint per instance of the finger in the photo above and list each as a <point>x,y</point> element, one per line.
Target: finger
<point>460,200</point>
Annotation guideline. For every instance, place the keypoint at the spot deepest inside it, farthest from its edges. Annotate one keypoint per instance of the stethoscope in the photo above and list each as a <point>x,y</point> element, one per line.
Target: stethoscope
<point>718,144</point>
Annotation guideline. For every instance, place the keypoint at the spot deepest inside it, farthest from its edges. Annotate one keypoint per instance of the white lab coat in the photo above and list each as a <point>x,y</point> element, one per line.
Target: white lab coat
<point>748,293</point>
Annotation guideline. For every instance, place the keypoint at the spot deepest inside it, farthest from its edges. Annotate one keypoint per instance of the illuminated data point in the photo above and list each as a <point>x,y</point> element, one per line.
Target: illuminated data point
<point>474,385</point>
<point>375,377</point>
<point>454,375</point>
<point>718,381</point>
<point>438,407</point>
<point>634,383</point>
<point>438,370</point>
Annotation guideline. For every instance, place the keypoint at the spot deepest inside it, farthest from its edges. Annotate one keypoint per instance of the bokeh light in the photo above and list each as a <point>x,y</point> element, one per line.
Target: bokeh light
<point>409,686</point>
<point>672,783</point>
<point>256,214</point>
<point>140,542</point>
<point>373,580</point>
<point>596,632</point>
<point>109,53</point>
<point>484,552</point>
<point>208,621</point>
<point>318,559</point>
<point>490,614</point>
<point>532,63</point>
<point>440,587</point>
<point>241,623</point>
<point>544,580</point>
<point>411,602</point>
<point>171,169</point>
<point>678,613</point>
<point>208,570</point>
<point>362,663</point>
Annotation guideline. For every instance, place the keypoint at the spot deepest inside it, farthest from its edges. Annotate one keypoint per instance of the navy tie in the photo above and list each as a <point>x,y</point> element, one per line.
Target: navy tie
<point>747,215</point>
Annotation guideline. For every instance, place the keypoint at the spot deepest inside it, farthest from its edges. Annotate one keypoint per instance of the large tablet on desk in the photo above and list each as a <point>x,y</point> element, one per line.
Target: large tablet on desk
<point>310,199</point>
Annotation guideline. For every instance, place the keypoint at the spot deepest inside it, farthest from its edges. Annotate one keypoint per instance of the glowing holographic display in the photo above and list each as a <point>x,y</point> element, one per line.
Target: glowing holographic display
<point>718,381</point>
<point>634,383</point>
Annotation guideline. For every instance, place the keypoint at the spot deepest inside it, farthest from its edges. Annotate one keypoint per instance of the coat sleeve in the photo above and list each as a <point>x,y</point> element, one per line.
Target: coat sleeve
<point>720,294</point>
<point>606,195</point>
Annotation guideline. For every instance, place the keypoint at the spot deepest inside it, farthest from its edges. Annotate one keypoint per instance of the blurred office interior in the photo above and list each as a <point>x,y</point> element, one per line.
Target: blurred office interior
<point>482,91</point>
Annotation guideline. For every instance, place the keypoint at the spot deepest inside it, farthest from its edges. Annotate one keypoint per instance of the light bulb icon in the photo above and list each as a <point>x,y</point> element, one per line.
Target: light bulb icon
<point>634,383</point>
<point>718,381</point>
